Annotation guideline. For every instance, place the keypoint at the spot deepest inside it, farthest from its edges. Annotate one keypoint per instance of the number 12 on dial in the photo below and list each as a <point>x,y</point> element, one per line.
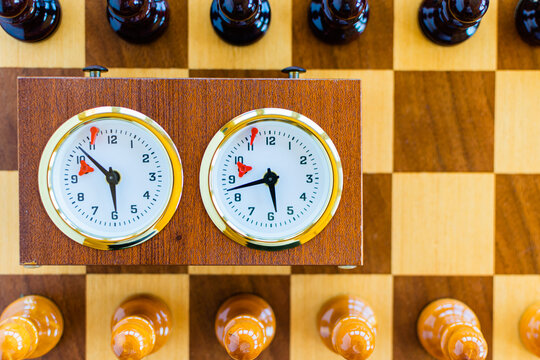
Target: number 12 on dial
<point>271,179</point>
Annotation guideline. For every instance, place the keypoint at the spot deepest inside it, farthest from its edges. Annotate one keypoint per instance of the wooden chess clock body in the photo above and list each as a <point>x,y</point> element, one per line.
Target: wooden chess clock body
<point>193,113</point>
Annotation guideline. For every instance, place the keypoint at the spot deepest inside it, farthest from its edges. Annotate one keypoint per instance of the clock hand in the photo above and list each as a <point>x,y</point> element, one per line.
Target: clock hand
<point>272,188</point>
<point>256,182</point>
<point>269,178</point>
<point>112,179</point>
<point>101,168</point>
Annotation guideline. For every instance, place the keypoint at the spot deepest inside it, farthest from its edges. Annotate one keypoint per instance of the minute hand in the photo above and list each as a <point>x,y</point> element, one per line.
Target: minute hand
<point>257,182</point>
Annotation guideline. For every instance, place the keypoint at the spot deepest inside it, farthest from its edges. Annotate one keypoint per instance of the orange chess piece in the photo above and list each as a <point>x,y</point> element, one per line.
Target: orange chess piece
<point>529,328</point>
<point>245,326</point>
<point>141,325</point>
<point>29,328</point>
<point>348,327</point>
<point>449,330</point>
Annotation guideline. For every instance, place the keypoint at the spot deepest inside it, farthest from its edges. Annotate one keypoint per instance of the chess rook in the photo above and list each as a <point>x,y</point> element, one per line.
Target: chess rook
<point>450,22</point>
<point>240,22</point>
<point>338,21</point>
<point>529,331</point>
<point>29,328</point>
<point>29,20</point>
<point>141,325</point>
<point>348,327</point>
<point>528,21</point>
<point>449,330</point>
<point>245,326</point>
<point>138,21</point>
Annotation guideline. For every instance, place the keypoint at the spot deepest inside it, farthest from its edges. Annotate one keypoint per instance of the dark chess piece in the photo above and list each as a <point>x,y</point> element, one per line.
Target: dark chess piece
<point>338,21</point>
<point>138,21</point>
<point>240,22</point>
<point>528,21</point>
<point>450,22</point>
<point>29,20</point>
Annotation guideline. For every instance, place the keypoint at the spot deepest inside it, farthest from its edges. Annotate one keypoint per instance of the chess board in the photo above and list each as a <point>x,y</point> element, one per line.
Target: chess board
<point>451,183</point>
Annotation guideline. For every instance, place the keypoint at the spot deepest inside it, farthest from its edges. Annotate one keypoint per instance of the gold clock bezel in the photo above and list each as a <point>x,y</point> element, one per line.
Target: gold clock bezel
<point>56,214</point>
<point>242,121</point>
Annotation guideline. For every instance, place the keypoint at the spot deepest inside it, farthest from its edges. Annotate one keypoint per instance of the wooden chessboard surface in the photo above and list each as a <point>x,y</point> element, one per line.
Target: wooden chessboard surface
<point>451,184</point>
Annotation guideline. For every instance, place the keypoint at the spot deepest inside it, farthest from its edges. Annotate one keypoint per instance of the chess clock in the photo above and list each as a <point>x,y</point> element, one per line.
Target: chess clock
<point>271,179</point>
<point>110,178</point>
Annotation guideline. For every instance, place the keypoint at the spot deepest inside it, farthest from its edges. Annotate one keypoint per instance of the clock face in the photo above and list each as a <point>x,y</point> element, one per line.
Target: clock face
<point>112,178</point>
<point>271,179</point>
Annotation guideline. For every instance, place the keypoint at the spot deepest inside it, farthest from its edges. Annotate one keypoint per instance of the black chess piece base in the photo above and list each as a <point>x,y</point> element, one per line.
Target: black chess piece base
<point>528,21</point>
<point>35,23</point>
<point>338,31</point>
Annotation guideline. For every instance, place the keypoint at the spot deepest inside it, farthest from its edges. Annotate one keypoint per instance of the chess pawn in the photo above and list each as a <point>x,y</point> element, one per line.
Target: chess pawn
<point>30,327</point>
<point>240,22</point>
<point>348,327</point>
<point>450,22</point>
<point>245,326</point>
<point>449,330</point>
<point>141,325</point>
<point>529,328</point>
<point>29,20</point>
<point>528,21</point>
<point>138,21</point>
<point>338,21</point>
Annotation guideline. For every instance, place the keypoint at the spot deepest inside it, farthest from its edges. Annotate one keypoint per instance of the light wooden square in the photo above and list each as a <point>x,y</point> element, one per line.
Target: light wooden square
<point>105,292</point>
<point>9,232</point>
<point>146,73</point>
<point>65,48</point>
<point>310,292</point>
<point>377,114</point>
<point>239,270</point>
<point>512,295</point>
<point>208,51</point>
<point>517,125</point>
<point>443,224</point>
<point>413,50</point>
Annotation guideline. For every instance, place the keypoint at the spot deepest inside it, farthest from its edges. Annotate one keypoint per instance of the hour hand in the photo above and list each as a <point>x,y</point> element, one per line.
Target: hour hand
<point>101,168</point>
<point>256,182</point>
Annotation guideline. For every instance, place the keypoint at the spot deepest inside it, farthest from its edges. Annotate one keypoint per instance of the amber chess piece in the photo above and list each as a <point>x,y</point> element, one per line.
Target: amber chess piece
<point>30,20</point>
<point>528,21</point>
<point>450,22</point>
<point>529,329</point>
<point>240,22</point>
<point>245,326</point>
<point>30,327</point>
<point>338,21</point>
<point>449,330</point>
<point>138,21</point>
<point>348,327</point>
<point>141,325</point>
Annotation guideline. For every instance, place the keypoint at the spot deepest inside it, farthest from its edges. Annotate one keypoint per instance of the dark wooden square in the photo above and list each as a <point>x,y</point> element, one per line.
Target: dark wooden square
<point>68,292</point>
<point>372,50</point>
<point>444,121</point>
<point>413,293</point>
<point>207,293</point>
<point>517,224</point>
<point>104,47</point>
<point>136,269</point>
<point>377,230</point>
<point>512,51</point>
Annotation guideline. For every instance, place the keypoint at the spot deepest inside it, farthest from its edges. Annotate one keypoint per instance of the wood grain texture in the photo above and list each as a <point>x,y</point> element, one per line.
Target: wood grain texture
<point>207,293</point>
<point>412,294</point>
<point>334,105</point>
<point>237,73</point>
<point>517,241</point>
<point>104,47</point>
<point>239,270</point>
<point>512,52</point>
<point>372,50</point>
<point>68,293</point>
<point>146,72</point>
<point>136,269</point>
<point>454,134</point>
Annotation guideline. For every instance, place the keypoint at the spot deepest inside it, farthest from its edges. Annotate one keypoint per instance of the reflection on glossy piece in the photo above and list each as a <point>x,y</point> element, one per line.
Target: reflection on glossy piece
<point>30,20</point>
<point>29,327</point>
<point>245,326</point>
<point>138,21</point>
<point>141,325</point>
<point>240,22</point>
<point>449,330</point>
<point>338,21</point>
<point>348,327</point>
<point>450,22</point>
<point>528,21</point>
<point>529,329</point>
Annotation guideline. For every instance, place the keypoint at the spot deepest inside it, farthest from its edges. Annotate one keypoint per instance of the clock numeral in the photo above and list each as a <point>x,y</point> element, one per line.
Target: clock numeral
<point>238,159</point>
<point>146,158</point>
<point>251,210</point>
<point>270,140</point>
<point>232,179</point>
<point>152,176</point>
<point>95,208</point>
<point>91,146</point>
<point>112,139</point>
<point>303,160</point>
<point>80,196</point>
<point>237,197</point>
<point>303,196</point>
<point>309,178</point>
<point>114,215</point>
<point>146,195</point>
<point>290,210</point>
<point>133,209</point>
<point>250,147</point>
<point>74,179</point>
<point>270,216</point>
<point>79,158</point>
